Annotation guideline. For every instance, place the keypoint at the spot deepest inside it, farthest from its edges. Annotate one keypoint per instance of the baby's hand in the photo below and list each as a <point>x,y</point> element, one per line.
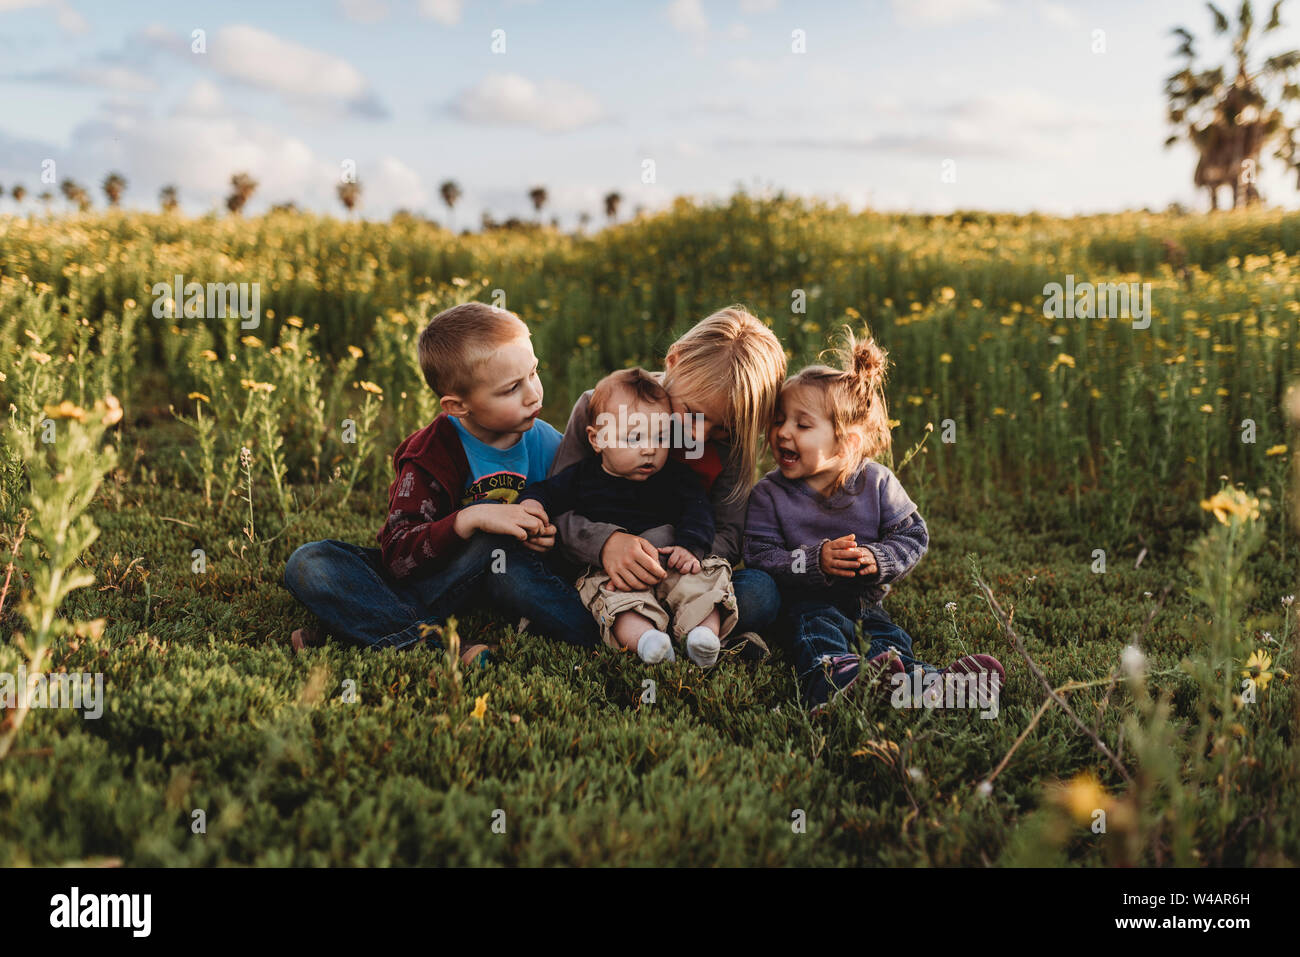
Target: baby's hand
<point>680,560</point>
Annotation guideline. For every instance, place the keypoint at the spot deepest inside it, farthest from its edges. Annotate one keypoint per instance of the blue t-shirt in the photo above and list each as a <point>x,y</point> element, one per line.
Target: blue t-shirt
<point>499,475</point>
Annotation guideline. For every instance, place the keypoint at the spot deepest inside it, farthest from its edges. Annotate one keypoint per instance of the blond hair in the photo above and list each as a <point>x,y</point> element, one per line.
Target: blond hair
<point>733,353</point>
<point>457,340</point>
<point>853,398</point>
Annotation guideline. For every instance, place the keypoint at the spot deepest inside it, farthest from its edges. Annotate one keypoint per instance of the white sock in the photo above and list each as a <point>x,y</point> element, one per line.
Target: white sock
<point>654,647</point>
<point>702,646</point>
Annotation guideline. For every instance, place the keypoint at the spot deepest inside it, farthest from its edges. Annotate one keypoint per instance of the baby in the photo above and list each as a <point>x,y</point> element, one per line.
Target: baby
<point>632,483</point>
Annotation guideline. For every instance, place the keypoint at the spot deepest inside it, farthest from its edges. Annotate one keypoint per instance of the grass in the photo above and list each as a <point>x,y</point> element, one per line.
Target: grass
<point>210,710</point>
<point>1075,442</point>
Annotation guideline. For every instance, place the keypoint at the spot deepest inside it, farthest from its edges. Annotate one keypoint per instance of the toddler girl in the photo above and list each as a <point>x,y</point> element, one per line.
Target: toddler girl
<point>835,528</point>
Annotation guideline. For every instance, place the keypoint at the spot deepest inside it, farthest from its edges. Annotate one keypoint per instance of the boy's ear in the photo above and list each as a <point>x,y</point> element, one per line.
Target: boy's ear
<point>593,437</point>
<point>453,405</point>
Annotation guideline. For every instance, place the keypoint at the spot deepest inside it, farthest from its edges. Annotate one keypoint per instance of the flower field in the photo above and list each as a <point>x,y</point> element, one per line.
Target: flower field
<point>1107,493</point>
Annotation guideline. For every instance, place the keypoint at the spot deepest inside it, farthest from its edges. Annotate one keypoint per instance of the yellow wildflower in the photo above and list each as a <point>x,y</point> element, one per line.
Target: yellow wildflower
<point>209,355</point>
<point>199,395</point>
<point>112,410</point>
<point>480,707</point>
<point>66,410</point>
<point>1232,502</point>
<point>294,321</point>
<point>1276,450</point>
<point>1257,666</point>
<point>1207,409</point>
<point>371,387</point>
<point>1061,360</point>
<point>256,386</point>
<point>252,341</point>
<point>355,352</point>
<point>945,358</point>
<point>1082,797</point>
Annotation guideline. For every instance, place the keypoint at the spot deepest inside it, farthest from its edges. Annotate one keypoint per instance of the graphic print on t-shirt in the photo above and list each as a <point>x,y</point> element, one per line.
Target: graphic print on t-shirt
<point>497,487</point>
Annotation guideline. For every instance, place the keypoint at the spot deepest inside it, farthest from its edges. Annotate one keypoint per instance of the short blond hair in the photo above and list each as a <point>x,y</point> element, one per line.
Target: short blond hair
<point>458,340</point>
<point>853,398</point>
<point>733,353</point>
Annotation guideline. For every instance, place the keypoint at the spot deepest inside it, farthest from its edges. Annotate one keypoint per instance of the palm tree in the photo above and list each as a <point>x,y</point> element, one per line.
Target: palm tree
<point>1230,122</point>
<point>611,205</point>
<point>73,192</point>
<point>168,199</point>
<point>18,192</point>
<point>114,186</point>
<point>241,189</point>
<point>350,194</point>
<point>450,190</point>
<point>584,220</point>
<point>538,195</point>
<point>46,198</point>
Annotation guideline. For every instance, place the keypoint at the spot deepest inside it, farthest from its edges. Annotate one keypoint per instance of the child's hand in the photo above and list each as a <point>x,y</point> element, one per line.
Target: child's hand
<point>517,521</point>
<point>843,558</point>
<point>544,540</point>
<point>868,562</point>
<point>680,560</point>
<point>631,562</point>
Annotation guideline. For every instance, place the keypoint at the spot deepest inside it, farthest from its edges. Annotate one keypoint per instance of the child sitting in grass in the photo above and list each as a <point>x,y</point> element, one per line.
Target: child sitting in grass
<point>835,528</point>
<point>632,483</point>
<point>454,506</point>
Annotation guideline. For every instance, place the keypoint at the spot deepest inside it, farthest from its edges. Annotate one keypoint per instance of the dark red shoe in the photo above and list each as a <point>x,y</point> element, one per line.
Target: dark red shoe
<point>883,667</point>
<point>306,638</point>
<point>979,664</point>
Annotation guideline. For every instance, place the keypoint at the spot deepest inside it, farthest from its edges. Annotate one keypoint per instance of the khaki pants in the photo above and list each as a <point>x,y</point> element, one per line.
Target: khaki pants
<point>688,600</point>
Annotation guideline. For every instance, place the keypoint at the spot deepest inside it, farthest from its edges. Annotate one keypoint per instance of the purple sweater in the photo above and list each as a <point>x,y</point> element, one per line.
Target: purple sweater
<point>788,523</point>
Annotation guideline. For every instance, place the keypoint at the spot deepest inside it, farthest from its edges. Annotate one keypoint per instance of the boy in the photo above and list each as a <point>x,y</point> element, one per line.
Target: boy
<point>632,483</point>
<point>452,509</point>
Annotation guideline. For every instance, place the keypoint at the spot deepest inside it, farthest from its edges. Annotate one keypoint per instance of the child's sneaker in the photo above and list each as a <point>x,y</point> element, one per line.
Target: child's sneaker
<point>702,646</point>
<point>476,655</point>
<point>747,646</point>
<point>883,667</point>
<point>980,664</point>
<point>830,681</point>
<point>306,638</point>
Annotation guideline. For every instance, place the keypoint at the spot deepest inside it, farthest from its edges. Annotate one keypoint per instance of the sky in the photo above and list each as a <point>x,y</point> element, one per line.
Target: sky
<point>923,105</point>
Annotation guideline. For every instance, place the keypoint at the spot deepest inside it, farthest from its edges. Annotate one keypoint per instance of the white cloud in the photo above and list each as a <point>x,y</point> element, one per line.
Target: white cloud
<point>446,12</point>
<point>68,19</point>
<point>364,11</point>
<point>943,12</point>
<point>507,99</point>
<point>267,62</point>
<point>106,76</point>
<point>1057,14</point>
<point>202,99</point>
<point>738,32</point>
<point>747,69</point>
<point>392,185</point>
<point>757,6</point>
<point>199,155</point>
<point>687,16</point>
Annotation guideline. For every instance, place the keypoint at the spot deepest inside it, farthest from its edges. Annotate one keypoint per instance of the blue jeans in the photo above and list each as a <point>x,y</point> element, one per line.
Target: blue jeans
<point>345,587</point>
<point>757,599</point>
<point>819,627</point>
